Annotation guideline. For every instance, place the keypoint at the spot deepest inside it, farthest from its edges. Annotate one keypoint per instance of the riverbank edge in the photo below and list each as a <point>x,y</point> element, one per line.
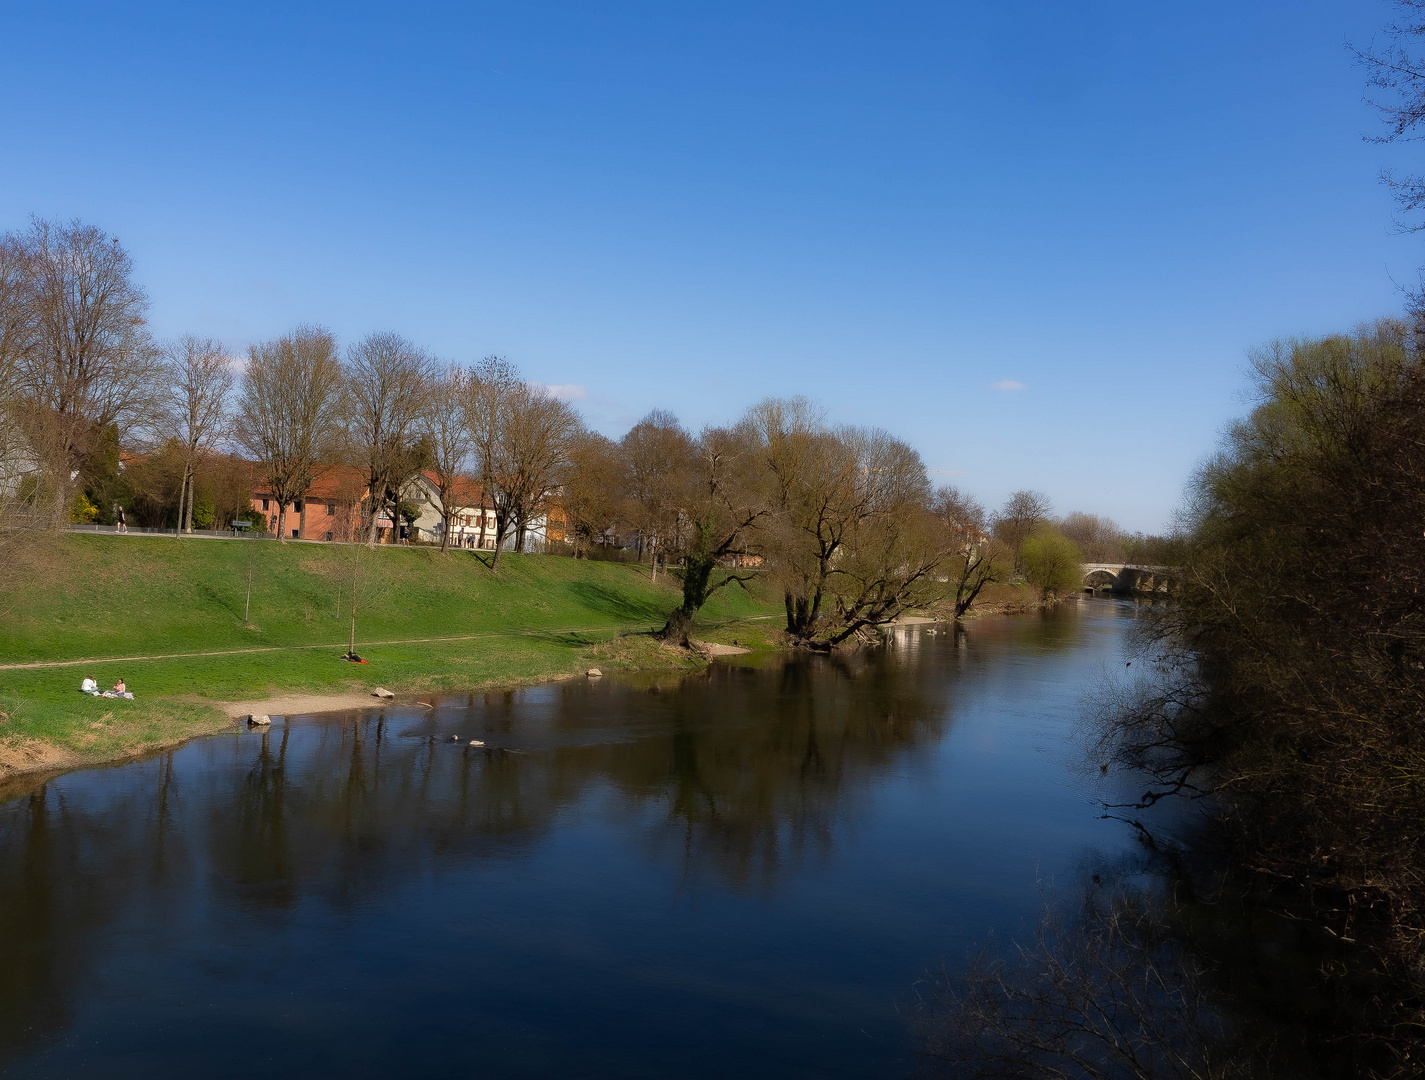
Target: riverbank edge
<point>29,759</point>
<point>24,759</point>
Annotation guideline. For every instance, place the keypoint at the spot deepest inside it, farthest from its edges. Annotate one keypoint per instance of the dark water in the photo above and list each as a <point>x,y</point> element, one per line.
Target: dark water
<point>741,873</point>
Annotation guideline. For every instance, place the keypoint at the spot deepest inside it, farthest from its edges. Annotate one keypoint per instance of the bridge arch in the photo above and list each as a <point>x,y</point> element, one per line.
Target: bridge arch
<point>1098,577</point>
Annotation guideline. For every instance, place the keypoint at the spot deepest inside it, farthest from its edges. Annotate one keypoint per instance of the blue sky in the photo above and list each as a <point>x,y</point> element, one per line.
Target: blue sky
<point>1033,239</point>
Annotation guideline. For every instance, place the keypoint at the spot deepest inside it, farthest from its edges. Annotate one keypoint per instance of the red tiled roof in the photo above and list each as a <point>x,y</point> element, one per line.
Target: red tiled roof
<point>349,483</point>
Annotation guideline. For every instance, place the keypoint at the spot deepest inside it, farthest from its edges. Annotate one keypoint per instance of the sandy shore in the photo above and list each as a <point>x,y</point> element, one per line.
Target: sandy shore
<point>298,704</point>
<point>712,648</point>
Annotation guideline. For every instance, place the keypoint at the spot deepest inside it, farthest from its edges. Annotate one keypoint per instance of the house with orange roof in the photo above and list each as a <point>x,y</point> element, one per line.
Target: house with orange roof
<point>331,509</point>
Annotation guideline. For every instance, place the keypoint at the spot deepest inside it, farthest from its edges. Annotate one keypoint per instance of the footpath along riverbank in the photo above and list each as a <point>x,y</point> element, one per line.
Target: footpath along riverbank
<point>201,632</point>
<point>167,617</point>
<point>40,735</point>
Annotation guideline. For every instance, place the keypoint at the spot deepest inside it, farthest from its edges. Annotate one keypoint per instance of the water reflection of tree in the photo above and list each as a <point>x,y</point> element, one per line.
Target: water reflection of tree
<point>1108,989</point>
<point>68,868</point>
<point>756,768</point>
<point>738,774</point>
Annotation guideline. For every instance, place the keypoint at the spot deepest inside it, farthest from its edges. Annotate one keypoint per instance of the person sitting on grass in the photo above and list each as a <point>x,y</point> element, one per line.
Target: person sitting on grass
<point>89,686</point>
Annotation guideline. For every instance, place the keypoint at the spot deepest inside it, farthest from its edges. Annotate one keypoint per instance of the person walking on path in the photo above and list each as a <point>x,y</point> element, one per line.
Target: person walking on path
<point>120,524</point>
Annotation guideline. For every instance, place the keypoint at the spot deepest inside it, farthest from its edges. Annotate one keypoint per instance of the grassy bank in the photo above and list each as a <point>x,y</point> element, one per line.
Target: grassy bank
<point>96,598</point>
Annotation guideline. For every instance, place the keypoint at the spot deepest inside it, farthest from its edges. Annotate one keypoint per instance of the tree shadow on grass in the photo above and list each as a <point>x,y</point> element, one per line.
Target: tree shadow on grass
<point>606,601</point>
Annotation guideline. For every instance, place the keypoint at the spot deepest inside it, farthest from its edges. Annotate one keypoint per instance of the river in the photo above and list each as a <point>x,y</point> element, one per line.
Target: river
<point>743,872</point>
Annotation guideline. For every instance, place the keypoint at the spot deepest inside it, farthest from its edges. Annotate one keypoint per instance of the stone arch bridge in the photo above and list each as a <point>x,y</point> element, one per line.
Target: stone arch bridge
<point>1126,577</point>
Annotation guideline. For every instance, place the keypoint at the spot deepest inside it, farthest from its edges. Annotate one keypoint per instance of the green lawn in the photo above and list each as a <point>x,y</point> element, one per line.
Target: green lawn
<point>91,597</point>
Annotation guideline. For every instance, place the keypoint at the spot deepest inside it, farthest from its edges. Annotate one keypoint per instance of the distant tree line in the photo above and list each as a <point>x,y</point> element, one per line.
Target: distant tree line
<point>1283,691</point>
<point>843,520</point>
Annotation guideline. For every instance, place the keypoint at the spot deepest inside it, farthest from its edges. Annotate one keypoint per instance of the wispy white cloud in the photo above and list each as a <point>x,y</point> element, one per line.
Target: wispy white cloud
<point>1007,384</point>
<point>564,391</point>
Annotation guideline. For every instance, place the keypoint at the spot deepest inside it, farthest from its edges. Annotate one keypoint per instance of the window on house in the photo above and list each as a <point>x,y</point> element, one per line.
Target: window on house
<point>265,506</point>
<point>331,508</point>
<point>296,508</point>
<point>294,533</point>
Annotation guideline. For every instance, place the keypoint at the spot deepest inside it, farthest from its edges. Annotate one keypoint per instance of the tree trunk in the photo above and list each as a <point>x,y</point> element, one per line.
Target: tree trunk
<point>188,511</point>
<point>677,628</point>
<point>182,497</point>
<point>282,522</point>
<point>302,520</point>
<point>375,516</point>
<point>964,597</point>
<point>499,541</point>
<point>697,572</point>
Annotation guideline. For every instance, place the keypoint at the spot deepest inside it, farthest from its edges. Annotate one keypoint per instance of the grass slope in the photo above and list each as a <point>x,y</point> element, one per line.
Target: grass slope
<point>91,597</point>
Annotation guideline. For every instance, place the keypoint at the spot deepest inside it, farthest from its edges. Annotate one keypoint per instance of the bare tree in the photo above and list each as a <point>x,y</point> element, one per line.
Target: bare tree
<point>1397,79</point>
<point>1099,538</point>
<point>848,537</point>
<point>449,440</point>
<point>657,456</point>
<point>19,466</point>
<point>289,409</point>
<point>721,496</point>
<point>522,435</point>
<point>594,490</point>
<point>824,488</point>
<point>813,476</point>
<point>387,392</point>
<point>536,452</point>
<point>17,336</point>
<point>194,407</point>
<point>356,580</point>
<point>974,558</point>
<point>894,547</point>
<point>489,405</point>
<point>1023,512</point>
<point>89,364</point>
<point>1108,994</point>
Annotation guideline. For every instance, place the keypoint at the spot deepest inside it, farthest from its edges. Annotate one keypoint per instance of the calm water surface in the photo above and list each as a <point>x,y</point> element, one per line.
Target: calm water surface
<point>739,873</point>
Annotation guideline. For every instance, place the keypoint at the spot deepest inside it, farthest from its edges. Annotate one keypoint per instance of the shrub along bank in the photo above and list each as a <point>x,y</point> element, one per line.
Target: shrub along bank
<point>98,598</point>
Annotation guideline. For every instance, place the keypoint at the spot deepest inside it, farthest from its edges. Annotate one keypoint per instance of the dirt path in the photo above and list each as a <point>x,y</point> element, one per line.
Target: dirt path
<point>342,644</point>
<point>299,704</point>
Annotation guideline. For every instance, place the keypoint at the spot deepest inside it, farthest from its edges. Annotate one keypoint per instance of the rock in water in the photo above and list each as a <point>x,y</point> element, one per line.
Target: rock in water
<point>594,673</point>
<point>476,742</point>
<point>382,692</point>
<point>257,719</point>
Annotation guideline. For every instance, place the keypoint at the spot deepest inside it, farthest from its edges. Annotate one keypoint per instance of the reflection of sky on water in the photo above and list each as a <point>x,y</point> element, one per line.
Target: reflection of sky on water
<point>734,872</point>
